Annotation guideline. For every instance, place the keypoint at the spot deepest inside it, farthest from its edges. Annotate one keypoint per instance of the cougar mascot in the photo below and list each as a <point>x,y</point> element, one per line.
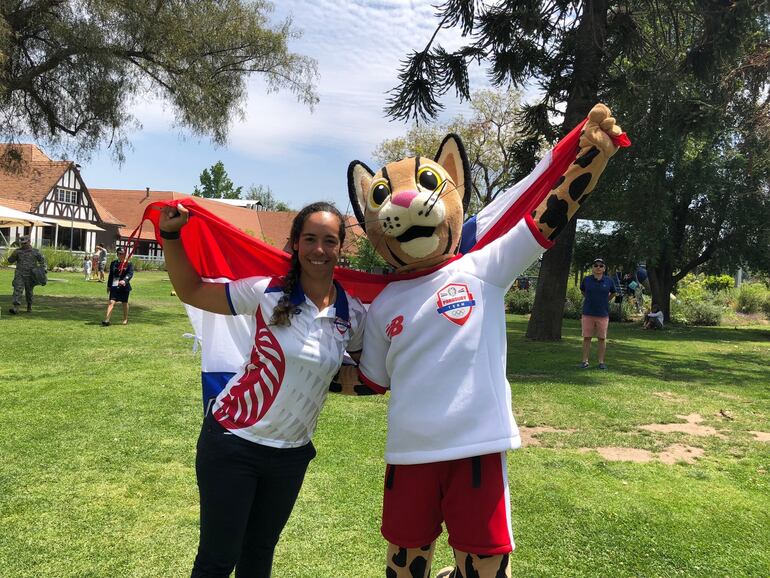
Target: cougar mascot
<point>436,339</point>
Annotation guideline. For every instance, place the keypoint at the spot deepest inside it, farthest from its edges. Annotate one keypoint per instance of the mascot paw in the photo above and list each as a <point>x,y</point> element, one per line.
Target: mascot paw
<point>602,132</point>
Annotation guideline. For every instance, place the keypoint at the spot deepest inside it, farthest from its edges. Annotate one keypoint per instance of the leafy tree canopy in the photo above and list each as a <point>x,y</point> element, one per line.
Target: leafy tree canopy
<point>215,184</point>
<point>688,80</point>
<point>558,45</point>
<point>694,190</point>
<point>70,70</point>
<point>265,197</point>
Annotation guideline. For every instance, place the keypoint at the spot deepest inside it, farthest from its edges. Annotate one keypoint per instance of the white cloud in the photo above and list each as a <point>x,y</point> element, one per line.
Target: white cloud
<point>358,46</point>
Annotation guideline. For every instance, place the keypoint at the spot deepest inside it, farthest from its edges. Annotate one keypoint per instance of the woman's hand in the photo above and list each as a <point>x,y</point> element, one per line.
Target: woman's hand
<point>172,219</point>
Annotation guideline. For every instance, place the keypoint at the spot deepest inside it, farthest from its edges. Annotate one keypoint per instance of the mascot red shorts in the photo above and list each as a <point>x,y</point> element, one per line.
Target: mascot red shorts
<point>470,495</point>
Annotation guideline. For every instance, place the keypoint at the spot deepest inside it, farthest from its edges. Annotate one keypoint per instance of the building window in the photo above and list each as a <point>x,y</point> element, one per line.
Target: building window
<point>67,196</point>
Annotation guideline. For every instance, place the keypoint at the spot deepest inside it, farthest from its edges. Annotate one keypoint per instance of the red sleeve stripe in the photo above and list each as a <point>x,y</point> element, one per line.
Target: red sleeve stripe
<point>375,387</point>
<point>545,243</point>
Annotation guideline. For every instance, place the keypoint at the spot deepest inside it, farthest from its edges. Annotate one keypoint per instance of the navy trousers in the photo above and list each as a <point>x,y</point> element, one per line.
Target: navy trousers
<point>247,492</point>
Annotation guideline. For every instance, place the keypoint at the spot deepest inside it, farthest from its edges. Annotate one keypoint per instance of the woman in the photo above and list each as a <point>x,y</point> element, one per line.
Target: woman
<point>255,444</point>
<point>119,285</point>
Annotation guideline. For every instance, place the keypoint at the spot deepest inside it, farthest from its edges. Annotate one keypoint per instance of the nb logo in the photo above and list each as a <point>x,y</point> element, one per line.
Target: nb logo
<point>395,327</point>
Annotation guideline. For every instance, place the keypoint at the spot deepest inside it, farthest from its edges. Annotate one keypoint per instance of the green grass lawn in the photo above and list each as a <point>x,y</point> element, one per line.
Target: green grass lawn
<point>98,429</point>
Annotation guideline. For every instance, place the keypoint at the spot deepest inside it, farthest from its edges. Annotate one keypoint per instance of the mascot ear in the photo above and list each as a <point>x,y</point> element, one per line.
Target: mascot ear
<point>451,155</point>
<point>359,181</point>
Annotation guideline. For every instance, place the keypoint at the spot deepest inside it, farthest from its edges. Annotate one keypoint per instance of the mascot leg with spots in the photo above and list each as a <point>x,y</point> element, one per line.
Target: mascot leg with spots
<point>435,338</point>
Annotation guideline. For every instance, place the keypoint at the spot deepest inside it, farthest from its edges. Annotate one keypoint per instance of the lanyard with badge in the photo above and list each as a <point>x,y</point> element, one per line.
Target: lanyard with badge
<point>118,272</point>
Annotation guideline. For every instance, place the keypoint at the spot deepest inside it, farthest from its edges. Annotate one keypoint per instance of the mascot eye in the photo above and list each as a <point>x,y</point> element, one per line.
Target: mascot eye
<point>380,192</point>
<point>428,179</point>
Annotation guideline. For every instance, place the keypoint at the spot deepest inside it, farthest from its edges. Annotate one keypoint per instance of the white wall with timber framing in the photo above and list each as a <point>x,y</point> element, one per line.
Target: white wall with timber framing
<point>70,206</point>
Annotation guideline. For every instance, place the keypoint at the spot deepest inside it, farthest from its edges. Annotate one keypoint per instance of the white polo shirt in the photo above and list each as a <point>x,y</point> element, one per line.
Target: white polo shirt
<point>276,397</point>
<point>438,343</point>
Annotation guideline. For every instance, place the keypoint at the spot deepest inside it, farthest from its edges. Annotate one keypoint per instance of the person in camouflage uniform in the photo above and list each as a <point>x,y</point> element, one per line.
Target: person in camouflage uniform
<point>26,258</point>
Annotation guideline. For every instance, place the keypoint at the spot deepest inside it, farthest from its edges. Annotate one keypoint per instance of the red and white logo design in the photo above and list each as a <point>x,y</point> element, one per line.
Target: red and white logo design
<point>455,302</point>
<point>250,398</point>
<point>395,327</point>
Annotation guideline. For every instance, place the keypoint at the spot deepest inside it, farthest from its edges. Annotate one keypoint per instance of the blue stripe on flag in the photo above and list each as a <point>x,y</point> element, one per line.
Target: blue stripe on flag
<point>213,382</point>
<point>229,299</point>
<point>468,238</point>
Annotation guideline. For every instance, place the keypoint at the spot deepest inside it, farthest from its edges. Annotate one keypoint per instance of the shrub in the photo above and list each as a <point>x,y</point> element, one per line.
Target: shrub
<point>62,258</point>
<point>716,283</point>
<point>573,303</point>
<point>621,311</point>
<point>520,302</point>
<point>766,307</point>
<point>725,298</point>
<point>751,297</point>
<point>149,264</point>
<point>691,289</point>
<point>702,313</point>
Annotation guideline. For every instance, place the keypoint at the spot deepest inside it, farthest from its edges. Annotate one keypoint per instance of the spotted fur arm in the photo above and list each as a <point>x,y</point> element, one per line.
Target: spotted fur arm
<point>574,187</point>
<point>347,382</point>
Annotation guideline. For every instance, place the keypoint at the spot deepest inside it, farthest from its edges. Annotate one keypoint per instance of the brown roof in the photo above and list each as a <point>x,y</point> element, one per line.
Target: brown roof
<point>14,204</point>
<point>276,230</point>
<point>128,205</point>
<point>35,179</point>
<point>106,216</point>
<point>272,227</point>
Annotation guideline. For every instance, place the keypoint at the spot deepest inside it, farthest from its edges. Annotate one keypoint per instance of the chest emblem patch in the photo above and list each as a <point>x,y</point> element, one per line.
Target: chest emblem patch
<point>455,302</point>
<point>341,325</point>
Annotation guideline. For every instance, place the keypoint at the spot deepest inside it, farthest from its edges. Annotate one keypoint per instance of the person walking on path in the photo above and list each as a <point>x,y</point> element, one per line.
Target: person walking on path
<point>255,443</point>
<point>598,290</point>
<point>119,285</point>
<point>27,258</point>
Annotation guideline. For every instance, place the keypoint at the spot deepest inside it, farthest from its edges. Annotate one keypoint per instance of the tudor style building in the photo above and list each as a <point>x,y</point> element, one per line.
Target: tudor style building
<point>74,216</point>
<point>55,192</point>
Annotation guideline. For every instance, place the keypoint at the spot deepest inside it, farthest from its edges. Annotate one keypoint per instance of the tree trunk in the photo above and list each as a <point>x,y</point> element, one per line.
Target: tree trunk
<point>661,285</point>
<point>548,310</point>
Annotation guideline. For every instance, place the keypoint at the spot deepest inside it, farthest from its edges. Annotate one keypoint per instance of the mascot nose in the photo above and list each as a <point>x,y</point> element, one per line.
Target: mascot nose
<point>403,199</point>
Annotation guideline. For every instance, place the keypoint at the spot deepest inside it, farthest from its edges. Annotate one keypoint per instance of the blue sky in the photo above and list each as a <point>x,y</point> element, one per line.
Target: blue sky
<point>301,156</point>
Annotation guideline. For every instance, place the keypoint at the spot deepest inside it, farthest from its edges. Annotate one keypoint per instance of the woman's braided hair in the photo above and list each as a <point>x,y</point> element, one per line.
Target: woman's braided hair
<point>284,309</point>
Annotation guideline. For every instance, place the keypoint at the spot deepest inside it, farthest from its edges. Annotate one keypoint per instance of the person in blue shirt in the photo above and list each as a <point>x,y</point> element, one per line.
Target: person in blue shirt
<point>598,290</point>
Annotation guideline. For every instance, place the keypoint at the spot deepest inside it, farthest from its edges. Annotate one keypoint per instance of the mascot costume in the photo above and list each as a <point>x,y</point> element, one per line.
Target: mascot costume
<point>436,340</point>
<point>435,331</point>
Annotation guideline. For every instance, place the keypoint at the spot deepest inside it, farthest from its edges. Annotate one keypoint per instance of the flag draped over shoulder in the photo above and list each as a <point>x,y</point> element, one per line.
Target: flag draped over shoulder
<point>220,252</point>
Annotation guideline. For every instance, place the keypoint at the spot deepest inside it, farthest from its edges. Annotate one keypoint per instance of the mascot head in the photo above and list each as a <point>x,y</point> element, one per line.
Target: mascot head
<point>412,209</point>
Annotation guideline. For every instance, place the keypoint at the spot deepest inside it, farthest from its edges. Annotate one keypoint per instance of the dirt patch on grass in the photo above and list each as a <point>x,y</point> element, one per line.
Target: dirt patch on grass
<point>692,426</point>
<point>613,454</point>
<point>762,436</point>
<point>671,455</point>
<point>680,453</point>
<point>529,434</point>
